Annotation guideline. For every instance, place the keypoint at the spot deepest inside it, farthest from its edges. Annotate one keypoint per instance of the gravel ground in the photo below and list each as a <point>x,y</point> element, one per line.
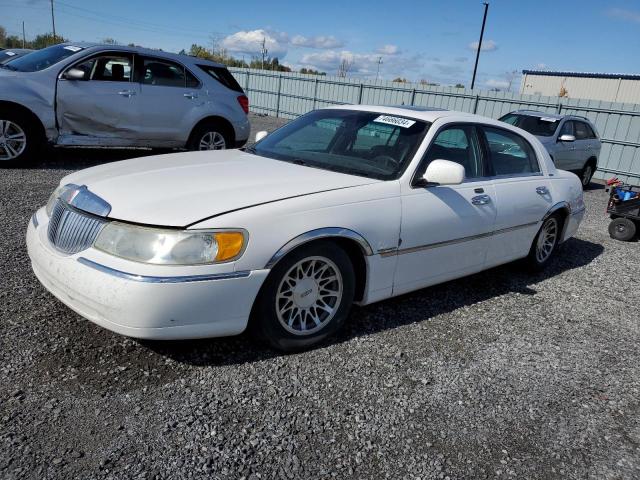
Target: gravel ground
<point>499,375</point>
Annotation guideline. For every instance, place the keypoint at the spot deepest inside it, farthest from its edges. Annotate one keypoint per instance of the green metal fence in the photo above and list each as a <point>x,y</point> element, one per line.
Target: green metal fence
<point>288,95</point>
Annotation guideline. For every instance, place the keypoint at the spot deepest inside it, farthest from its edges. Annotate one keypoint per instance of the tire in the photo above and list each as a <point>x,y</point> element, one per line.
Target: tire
<point>622,229</point>
<point>545,245</point>
<point>586,175</point>
<point>283,315</point>
<point>212,134</point>
<point>20,139</point>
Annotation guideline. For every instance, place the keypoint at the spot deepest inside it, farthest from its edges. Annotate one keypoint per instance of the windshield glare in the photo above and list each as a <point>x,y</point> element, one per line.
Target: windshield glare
<point>368,144</point>
<point>540,126</point>
<point>41,59</point>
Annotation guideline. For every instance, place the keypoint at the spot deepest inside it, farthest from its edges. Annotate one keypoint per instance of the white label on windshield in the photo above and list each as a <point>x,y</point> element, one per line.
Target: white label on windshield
<point>395,121</point>
<point>72,48</point>
<point>11,54</point>
<point>548,119</point>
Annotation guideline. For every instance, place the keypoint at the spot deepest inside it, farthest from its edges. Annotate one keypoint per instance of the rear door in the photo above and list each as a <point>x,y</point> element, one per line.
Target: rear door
<point>583,144</point>
<point>445,230</point>
<point>523,194</point>
<point>104,105</point>
<point>170,96</point>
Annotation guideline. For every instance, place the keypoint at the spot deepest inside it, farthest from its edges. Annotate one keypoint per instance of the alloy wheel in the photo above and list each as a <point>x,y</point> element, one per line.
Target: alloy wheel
<point>309,295</point>
<point>212,141</point>
<point>547,239</point>
<point>13,140</point>
<point>586,175</point>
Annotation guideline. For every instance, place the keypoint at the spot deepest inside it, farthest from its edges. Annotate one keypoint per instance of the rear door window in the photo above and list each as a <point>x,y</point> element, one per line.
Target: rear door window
<point>165,73</point>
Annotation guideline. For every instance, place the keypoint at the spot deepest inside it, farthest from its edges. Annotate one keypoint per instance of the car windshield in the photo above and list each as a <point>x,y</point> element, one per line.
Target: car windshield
<point>540,126</point>
<point>360,143</point>
<point>41,59</point>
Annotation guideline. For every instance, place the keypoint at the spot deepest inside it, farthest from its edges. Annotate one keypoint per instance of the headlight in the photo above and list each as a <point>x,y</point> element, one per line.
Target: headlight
<point>170,247</point>
<point>52,199</point>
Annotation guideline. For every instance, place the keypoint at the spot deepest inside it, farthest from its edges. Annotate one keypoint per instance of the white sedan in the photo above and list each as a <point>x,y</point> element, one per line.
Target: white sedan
<point>350,204</point>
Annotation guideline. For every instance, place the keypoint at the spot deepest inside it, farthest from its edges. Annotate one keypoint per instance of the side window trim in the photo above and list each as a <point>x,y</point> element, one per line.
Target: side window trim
<point>475,136</point>
<point>140,74</point>
<point>484,140</point>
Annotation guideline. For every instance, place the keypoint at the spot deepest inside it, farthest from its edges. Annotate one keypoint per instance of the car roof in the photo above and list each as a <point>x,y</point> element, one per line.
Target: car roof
<point>557,116</point>
<point>184,58</point>
<point>426,114</point>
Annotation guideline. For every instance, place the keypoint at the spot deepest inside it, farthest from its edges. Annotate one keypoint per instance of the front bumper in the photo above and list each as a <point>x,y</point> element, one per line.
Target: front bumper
<point>144,305</point>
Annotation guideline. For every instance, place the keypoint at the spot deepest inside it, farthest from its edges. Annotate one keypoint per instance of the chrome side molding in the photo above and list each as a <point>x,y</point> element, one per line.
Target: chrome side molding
<point>154,279</point>
<point>328,232</point>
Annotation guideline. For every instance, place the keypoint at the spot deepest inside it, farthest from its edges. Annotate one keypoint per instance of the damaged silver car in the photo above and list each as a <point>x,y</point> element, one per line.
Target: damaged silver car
<point>114,96</point>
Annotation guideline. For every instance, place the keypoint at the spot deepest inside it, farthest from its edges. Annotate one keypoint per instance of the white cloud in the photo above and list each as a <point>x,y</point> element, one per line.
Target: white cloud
<point>388,50</point>
<point>250,42</point>
<point>361,64</point>
<point>487,46</point>
<point>496,83</point>
<point>320,41</point>
<point>622,14</point>
<point>541,66</point>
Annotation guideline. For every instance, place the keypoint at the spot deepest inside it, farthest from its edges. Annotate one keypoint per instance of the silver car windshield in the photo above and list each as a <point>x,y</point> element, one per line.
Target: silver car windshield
<point>367,144</point>
<point>539,126</point>
<point>41,59</point>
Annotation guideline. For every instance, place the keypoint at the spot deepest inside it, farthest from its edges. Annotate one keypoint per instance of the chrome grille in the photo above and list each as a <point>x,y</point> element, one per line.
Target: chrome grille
<point>71,231</point>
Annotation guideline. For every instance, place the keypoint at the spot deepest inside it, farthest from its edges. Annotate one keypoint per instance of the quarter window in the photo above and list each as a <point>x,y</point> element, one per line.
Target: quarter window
<point>510,153</point>
<point>456,144</point>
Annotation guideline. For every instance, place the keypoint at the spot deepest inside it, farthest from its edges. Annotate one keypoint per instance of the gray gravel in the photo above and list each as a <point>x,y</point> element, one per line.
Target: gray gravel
<point>500,375</point>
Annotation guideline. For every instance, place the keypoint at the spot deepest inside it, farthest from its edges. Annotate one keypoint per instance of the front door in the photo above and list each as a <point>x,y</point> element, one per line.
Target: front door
<point>446,229</point>
<point>523,194</point>
<point>169,96</point>
<point>102,105</point>
<point>564,154</point>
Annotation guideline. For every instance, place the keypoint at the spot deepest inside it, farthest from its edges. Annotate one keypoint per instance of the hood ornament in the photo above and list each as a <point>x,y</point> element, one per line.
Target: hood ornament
<point>81,198</point>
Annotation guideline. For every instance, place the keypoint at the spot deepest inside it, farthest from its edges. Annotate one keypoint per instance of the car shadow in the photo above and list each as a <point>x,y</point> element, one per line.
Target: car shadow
<point>76,158</point>
<point>410,308</point>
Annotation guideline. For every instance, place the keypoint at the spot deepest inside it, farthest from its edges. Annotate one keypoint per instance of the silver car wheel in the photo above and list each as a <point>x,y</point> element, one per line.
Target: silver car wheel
<point>586,175</point>
<point>309,295</point>
<point>13,140</point>
<point>212,141</point>
<point>547,239</point>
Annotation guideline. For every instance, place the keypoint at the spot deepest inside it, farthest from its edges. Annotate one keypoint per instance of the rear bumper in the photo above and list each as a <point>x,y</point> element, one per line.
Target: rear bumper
<point>145,306</point>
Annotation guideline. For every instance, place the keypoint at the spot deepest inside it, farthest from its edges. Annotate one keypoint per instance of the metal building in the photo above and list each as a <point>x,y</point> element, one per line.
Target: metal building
<point>610,87</point>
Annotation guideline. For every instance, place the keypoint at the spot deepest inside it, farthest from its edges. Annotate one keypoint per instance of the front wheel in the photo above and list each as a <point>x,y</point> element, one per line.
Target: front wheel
<point>19,139</point>
<point>306,298</point>
<point>546,243</point>
<point>586,175</point>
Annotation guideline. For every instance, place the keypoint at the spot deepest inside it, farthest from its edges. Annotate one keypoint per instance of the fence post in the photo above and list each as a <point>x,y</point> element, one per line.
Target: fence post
<point>246,83</point>
<point>475,104</point>
<point>360,94</point>
<point>559,106</point>
<point>278,97</point>
<point>315,93</point>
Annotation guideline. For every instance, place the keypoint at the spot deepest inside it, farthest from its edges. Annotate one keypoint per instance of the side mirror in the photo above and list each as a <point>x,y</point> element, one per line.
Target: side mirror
<point>260,135</point>
<point>443,172</point>
<point>73,74</point>
<point>566,138</point>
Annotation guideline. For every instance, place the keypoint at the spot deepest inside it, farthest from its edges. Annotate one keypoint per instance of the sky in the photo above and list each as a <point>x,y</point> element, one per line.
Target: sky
<point>430,40</point>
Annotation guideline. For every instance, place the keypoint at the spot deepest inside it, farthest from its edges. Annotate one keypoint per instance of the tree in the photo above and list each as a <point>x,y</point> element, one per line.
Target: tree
<point>459,85</point>
<point>311,71</point>
<point>400,80</point>
<point>3,35</point>
<point>110,41</point>
<point>345,66</point>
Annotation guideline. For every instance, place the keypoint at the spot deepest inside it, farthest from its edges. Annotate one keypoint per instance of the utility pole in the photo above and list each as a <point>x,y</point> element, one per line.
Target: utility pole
<point>264,50</point>
<point>484,21</point>
<point>378,70</point>
<point>53,23</point>
<point>24,37</point>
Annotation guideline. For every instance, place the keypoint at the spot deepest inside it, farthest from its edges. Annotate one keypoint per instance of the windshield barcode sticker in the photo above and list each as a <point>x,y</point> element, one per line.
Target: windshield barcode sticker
<point>548,119</point>
<point>395,121</point>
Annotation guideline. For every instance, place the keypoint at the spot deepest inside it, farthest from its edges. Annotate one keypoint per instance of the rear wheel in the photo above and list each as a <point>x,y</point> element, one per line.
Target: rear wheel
<point>19,139</point>
<point>306,298</point>
<point>622,229</point>
<point>210,136</point>
<point>546,243</point>
<point>586,175</point>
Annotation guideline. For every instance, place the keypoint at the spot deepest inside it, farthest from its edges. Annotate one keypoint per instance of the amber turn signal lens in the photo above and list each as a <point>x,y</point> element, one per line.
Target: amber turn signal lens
<point>229,245</point>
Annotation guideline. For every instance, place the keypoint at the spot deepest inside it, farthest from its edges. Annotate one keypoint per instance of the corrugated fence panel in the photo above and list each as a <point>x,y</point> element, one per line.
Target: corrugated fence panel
<point>288,95</point>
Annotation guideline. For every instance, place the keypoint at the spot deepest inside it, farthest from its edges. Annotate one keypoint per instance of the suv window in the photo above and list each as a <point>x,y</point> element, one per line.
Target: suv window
<point>223,76</point>
<point>165,73</point>
<point>590,132</point>
<point>510,153</point>
<point>567,128</point>
<point>581,130</point>
<point>107,68</point>
<point>457,144</point>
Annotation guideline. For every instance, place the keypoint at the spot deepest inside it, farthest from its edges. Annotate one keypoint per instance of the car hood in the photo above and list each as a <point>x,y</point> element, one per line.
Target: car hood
<point>181,189</point>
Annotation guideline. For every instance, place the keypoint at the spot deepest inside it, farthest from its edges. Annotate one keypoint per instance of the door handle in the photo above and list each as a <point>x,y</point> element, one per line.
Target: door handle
<point>126,93</point>
<point>542,190</point>
<point>190,96</point>
<point>481,200</point>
